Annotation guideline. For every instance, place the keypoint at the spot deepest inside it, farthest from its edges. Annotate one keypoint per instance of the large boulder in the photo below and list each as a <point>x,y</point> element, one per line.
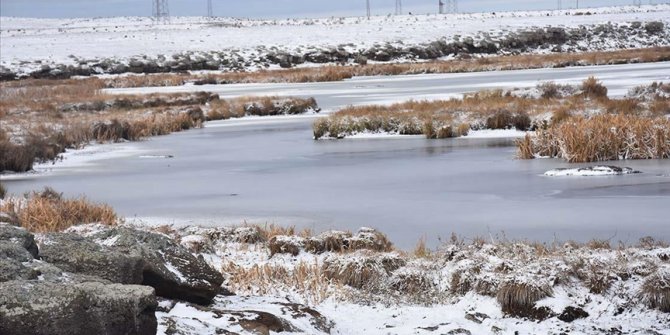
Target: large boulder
<point>12,258</point>
<point>39,307</point>
<point>77,254</point>
<point>19,236</point>
<point>168,267</point>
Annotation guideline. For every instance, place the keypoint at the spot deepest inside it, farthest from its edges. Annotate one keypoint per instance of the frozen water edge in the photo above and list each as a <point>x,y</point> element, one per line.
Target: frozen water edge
<point>78,160</point>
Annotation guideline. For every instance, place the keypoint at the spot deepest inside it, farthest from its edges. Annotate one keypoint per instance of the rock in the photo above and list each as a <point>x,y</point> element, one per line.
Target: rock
<point>168,267</point>
<point>39,307</point>
<point>459,331</point>
<point>77,254</point>
<point>20,237</point>
<point>573,313</point>
<point>476,317</point>
<point>655,27</point>
<point>317,320</point>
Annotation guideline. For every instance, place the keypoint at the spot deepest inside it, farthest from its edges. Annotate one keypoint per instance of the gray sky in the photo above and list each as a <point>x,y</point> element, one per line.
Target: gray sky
<point>270,8</point>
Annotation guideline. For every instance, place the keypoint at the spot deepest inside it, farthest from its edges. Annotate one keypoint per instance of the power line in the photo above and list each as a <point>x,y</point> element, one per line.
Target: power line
<point>367,6</point>
<point>441,6</point>
<point>210,11</point>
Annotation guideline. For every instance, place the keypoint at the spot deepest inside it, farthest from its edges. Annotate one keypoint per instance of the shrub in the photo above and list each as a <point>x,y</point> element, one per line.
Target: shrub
<point>48,211</point>
<point>593,88</point>
<point>656,290</point>
<point>519,298</point>
<point>320,127</point>
<point>3,191</point>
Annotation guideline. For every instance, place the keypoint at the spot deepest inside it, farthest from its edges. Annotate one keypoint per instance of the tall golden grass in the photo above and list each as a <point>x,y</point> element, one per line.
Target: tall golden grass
<point>48,211</point>
<point>600,138</point>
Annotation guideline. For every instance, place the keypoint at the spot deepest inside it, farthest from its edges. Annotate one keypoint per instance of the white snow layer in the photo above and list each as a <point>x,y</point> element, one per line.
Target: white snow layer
<point>65,41</point>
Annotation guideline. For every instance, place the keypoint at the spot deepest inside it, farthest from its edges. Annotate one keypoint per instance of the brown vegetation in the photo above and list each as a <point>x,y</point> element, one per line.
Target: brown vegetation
<point>601,138</point>
<point>337,73</point>
<point>42,118</point>
<point>656,290</point>
<point>3,191</point>
<point>518,299</point>
<point>48,211</point>
<point>434,119</point>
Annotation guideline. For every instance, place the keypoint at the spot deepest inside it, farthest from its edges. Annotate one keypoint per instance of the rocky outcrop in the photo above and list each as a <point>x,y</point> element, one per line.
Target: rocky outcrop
<point>168,267</point>
<point>77,254</point>
<point>39,307</point>
<point>129,256</point>
<point>39,298</point>
<point>19,236</point>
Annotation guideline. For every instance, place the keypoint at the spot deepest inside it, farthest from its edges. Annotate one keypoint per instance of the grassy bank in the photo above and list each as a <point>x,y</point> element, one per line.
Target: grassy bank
<point>39,119</point>
<point>337,73</point>
<point>577,123</point>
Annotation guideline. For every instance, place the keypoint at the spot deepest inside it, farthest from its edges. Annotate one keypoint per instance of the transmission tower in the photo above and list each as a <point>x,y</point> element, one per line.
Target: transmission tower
<point>637,3</point>
<point>210,11</point>
<point>559,5</point>
<point>398,7</point>
<point>441,6</point>
<point>161,10</point>
<point>451,6</point>
<point>367,7</point>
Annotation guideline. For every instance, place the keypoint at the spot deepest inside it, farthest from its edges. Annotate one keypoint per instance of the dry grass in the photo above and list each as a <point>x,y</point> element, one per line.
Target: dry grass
<point>48,211</point>
<point>265,106</point>
<point>656,290</point>
<point>434,119</point>
<point>42,118</point>
<point>593,88</point>
<point>337,73</point>
<point>361,270</point>
<point>601,138</point>
<point>307,279</point>
<point>518,299</point>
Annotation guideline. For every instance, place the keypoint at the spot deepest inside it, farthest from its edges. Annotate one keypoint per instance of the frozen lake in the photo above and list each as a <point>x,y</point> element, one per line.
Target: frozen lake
<point>271,170</point>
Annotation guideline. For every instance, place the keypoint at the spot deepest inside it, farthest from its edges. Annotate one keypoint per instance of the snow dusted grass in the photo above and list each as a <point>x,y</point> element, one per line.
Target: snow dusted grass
<point>549,106</point>
<point>595,284</point>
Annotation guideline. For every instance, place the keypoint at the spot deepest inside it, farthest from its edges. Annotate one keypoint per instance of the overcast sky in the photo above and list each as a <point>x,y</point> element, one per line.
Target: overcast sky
<point>270,8</point>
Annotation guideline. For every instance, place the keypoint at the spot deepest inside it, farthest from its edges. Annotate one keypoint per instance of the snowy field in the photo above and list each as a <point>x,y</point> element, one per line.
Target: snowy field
<point>69,41</point>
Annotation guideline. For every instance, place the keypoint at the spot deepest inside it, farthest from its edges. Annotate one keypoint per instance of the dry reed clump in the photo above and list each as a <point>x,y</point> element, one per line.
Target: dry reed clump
<point>265,106</point>
<point>362,269</point>
<point>593,88</point>
<point>308,279</point>
<point>48,211</point>
<point>601,138</point>
<point>551,90</point>
<point>283,244</point>
<point>518,298</point>
<point>415,285</point>
<point>656,290</point>
<point>330,241</point>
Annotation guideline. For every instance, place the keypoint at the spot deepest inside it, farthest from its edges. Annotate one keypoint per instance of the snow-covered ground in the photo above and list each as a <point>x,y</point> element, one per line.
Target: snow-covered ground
<point>69,41</point>
<point>457,289</point>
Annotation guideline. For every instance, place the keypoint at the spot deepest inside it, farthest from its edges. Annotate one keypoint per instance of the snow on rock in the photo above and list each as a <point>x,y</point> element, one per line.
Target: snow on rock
<point>598,170</point>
